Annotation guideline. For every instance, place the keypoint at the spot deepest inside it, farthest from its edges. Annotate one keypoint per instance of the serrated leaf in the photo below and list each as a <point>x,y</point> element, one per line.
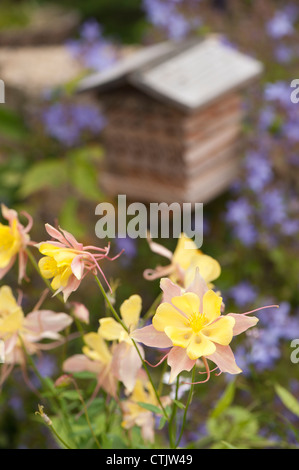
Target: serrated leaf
<point>225,400</point>
<point>150,407</point>
<point>289,401</point>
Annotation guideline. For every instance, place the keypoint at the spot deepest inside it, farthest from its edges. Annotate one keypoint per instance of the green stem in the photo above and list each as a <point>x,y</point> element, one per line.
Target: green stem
<point>172,426</point>
<point>59,406</point>
<point>153,307</point>
<point>189,399</point>
<point>117,317</point>
<point>58,436</point>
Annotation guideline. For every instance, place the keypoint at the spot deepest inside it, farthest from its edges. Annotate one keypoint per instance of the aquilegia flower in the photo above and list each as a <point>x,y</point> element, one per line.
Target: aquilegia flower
<point>14,239</point>
<point>191,324</point>
<point>67,261</point>
<point>184,262</point>
<point>97,359</point>
<point>126,359</point>
<point>19,331</point>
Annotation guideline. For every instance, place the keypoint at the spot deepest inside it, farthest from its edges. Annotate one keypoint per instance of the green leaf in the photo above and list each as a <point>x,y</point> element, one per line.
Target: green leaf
<point>68,218</point>
<point>179,404</point>
<point>162,423</point>
<point>48,173</point>
<point>70,395</point>
<point>289,401</point>
<point>84,178</point>
<point>225,400</point>
<point>150,407</point>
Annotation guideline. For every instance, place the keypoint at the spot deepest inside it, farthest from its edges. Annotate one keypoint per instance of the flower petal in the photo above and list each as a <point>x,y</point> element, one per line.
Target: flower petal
<point>188,304</point>
<point>126,364</point>
<point>130,311</point>
<point>167,315</point>
<point>225,359</point>
<point>149,336</point>
<point>200,346</point>
<point>178,361</point>
<point>169,289</point>
<point>95,342</point>
<point>110,329</point>
<point>211,305</point>
<point>221,331</point>
<point>242,322</point>
<point>179,336</point>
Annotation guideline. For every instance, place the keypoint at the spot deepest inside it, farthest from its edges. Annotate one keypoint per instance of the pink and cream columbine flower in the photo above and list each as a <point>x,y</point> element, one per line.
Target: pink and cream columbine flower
<point>19,331</point>
<point>14,239</point>
<point>126,360</point>
<point>97,359</point>
<point>67,261</point>
<point>190,323</point>
<point>183,263</point>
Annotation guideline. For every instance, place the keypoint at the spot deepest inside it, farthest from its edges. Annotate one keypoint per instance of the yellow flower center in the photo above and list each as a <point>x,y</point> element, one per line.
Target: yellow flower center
<point>198,321</point>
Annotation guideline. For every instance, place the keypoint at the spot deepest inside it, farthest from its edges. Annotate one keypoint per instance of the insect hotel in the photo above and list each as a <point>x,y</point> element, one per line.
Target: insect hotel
<point>174,120</point>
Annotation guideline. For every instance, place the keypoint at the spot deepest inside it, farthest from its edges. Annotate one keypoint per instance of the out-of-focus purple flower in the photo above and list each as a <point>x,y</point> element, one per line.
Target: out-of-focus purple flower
<point>92,49</point>
<point>129,245</point>
<point>246,233</point>
<point>280,25</point>
<point>266,117</point>
<point>243,293</point>
<point>46,365</point>
<point>283,54</point>
<point>238,211</point>
<point>166,15</point>
<point>290,227</point>
<point>67,122</point>
<point>259,171</point>
<point>273,207</point>
<point>278,91</point>
<point>91,30</point>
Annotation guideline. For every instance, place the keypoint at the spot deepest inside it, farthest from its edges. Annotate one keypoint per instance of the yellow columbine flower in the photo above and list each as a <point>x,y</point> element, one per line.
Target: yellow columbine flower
<point>185,260</point>
<point>11,314</point>
<point>130,311</point>
<point>125,356</point>
<point>10,242</point>
<point>194,327</point>
<point>56,265</point>
<point>14,239</point>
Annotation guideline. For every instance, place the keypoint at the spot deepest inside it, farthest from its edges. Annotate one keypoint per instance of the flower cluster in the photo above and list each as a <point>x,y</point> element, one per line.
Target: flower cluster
<point>189,323</point>
<point>92,49</point>
<point>69,122</point>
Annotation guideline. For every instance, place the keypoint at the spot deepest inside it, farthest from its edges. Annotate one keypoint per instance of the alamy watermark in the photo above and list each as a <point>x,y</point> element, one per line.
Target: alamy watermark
<point>2,352</point>
<point>2,92</point>
<point>295,92</point>
<point>295,353</point>
<point>159,219</point>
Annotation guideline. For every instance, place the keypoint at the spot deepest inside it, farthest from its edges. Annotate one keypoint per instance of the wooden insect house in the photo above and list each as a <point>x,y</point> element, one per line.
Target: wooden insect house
<point>174,120</point>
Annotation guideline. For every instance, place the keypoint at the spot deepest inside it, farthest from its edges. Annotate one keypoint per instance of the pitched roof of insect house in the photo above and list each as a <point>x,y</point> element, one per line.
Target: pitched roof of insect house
<point>198,83</point>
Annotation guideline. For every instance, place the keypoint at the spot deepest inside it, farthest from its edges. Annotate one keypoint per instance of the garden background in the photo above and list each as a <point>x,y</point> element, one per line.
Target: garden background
<point>51,155</point>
